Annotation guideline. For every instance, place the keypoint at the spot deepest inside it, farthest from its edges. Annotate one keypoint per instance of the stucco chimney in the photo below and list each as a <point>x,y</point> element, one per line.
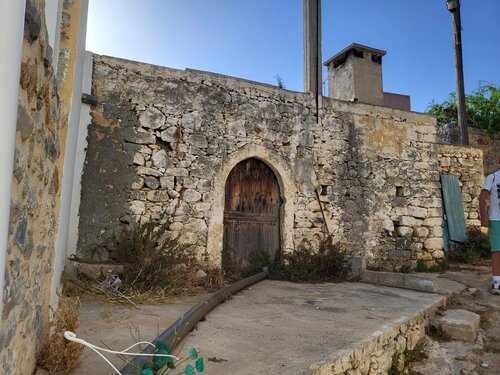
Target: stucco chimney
<point>355,74</point>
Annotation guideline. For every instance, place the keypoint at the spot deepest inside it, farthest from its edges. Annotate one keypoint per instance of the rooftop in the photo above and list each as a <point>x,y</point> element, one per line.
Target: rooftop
<point>340,57</point>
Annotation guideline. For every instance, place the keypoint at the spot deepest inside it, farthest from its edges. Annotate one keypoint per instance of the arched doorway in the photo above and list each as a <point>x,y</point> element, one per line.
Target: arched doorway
<point>251,211</point>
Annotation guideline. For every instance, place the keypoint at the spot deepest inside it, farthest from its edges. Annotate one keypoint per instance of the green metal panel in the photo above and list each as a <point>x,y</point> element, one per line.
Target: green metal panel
<point>453,208</point>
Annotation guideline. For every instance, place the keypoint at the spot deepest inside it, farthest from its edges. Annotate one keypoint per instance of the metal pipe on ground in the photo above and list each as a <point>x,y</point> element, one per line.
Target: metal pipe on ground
<point>177,331</point>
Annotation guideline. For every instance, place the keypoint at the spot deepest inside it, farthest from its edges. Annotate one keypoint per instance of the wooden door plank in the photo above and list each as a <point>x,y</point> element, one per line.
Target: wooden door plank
<point>252,211</point>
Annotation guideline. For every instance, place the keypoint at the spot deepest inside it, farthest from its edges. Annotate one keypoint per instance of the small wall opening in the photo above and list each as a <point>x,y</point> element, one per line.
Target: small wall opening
<point>358,54</point>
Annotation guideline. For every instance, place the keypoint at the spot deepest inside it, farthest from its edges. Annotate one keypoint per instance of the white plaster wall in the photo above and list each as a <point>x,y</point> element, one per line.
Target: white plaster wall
<point>70,157</point>
<point>81,149</point>
<point>341,83</point>
<point>11,43</point>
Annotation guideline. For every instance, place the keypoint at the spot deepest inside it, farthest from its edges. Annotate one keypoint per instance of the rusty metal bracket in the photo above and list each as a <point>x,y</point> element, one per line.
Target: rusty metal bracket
<point>89,99</point>
<point>322,212</point>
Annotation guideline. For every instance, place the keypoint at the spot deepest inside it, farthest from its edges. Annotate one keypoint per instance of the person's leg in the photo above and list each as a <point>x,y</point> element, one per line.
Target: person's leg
<point>494,235</point>
<point>495,262</point>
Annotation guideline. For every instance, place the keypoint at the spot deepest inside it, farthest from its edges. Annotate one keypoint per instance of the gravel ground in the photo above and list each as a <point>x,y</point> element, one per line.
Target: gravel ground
<point>460,358</point>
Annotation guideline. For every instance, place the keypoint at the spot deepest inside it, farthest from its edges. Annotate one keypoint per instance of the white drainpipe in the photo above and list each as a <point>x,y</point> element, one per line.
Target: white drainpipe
<point>11,45</point>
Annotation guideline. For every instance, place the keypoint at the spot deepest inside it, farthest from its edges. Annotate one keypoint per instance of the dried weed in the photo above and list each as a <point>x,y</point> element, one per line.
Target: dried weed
<point>58,355</point>
<point>157,269</point>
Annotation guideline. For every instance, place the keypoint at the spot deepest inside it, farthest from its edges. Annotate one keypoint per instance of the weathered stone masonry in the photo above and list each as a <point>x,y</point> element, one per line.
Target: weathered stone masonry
<point>467,164</point>
<point>34,207</point>
<point>479,139</point>
<point>162,142</point>
<point>42,125</point>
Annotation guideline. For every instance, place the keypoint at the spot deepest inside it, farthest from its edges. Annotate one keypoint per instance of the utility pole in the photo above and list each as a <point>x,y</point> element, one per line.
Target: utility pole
<point>454,8</point>
<point>312,50</point>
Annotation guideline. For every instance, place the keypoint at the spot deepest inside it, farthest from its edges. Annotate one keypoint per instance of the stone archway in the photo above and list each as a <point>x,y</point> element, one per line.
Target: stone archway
<point>251,212</point>
<point>287,195</point>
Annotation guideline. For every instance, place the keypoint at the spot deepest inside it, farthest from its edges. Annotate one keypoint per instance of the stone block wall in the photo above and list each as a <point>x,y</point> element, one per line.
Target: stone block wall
<point>490,145</point>
<point>375,355</point>
<point>378,167</point>
<point>162,142</point>
<point>478,138</point>
<point>467,164</point>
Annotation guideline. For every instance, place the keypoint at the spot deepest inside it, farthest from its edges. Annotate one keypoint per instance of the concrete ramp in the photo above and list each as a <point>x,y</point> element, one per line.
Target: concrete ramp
<point>287,328</point>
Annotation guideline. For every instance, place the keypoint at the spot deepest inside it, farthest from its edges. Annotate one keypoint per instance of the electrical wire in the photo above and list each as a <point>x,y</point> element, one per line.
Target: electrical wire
<point>71,336</point>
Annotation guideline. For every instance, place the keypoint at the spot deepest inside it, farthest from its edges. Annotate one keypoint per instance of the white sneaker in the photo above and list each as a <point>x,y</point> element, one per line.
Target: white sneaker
<point>495,288</point>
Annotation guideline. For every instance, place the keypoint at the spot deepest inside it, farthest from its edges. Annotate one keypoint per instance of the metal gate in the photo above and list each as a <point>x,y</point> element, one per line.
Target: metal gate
<point>251,211</point>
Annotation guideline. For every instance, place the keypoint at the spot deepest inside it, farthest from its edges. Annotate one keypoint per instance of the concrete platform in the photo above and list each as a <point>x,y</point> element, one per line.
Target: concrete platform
<point>118,326</point>
<point>278,327</point>
<point>285,328</point>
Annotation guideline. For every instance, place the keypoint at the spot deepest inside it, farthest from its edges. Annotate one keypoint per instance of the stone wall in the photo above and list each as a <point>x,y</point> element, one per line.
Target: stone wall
<point>478,138</point>
<point>467,164</point>
<point>163,141</point>
<point>490,145</point>
<point>375,355</point>
<point>383,190</point>
<point>35,201</point>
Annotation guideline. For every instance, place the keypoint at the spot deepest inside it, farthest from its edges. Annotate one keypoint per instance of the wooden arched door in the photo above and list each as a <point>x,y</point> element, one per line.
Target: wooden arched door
<point>251,211</point>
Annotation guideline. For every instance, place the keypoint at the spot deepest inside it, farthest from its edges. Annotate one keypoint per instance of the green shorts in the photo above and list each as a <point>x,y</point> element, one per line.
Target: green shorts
<point>494,235</point>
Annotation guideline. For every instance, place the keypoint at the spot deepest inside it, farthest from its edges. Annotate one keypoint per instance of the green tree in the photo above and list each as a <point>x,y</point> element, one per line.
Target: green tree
<point>482,106</point>
<point>279,82</point>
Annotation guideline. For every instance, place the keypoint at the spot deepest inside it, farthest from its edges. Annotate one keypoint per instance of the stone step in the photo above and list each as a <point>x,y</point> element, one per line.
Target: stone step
<point>458,324</point>
<point>399,280</point>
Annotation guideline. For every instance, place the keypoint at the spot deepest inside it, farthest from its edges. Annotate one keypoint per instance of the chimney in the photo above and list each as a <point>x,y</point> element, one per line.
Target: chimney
<point>355,74</point>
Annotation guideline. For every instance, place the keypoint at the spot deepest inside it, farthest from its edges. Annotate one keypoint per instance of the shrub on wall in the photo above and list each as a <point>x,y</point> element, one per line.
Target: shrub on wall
<point>328,263</point>
<point>156,262</point>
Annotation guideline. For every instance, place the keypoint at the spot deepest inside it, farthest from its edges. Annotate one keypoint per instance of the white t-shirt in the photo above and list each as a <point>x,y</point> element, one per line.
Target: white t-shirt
<point>492,184</point>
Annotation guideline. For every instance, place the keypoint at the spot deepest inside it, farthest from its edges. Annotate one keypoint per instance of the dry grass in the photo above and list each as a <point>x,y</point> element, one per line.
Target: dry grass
<point>158,264</point>
<point>58,355</point>
<point>214,280</point>
<point>157,269</point>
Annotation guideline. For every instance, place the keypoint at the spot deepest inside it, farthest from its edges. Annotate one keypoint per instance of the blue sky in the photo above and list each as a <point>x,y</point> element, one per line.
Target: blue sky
<point>259,39</point>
